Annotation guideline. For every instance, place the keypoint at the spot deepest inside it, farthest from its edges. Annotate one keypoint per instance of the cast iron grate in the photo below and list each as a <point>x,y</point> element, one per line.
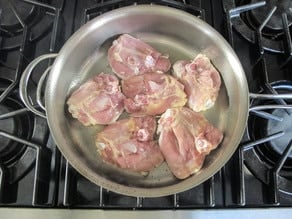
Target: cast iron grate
<point>72,190</point>
<point>192,7</point>
<point>247,153</point>
<point>17,39</point>
<point>75,187</point>
<point>275,39</point>
<point>17,16</point>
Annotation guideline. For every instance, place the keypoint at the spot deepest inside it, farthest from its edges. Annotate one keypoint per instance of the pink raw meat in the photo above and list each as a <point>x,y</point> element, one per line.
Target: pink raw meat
<point>186,137</point>
<point>129,144</point>
<point>152,94</point>
<point>201,80</point>
<point>129,56</point>
<point>97,101</point>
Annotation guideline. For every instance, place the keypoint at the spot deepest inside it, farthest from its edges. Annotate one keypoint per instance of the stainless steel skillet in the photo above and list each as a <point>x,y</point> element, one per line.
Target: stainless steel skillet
<point>171,31</point>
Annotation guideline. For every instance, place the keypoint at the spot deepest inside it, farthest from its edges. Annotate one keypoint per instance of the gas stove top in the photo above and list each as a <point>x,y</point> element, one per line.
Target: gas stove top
<point>33,173</point>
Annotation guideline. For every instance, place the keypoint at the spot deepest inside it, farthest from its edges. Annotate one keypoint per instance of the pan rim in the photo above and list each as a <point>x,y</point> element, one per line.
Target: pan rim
<point>120,188</point>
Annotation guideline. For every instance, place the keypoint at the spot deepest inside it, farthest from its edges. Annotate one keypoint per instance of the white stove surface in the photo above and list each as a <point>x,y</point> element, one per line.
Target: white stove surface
<point>24,213</point>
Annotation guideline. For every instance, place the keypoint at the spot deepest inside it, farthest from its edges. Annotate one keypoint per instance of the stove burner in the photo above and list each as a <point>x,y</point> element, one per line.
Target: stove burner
<point>16,158</point>
<point>271,151</point>
<point>248,16</point>
<point>17,15</point>
<point>275,23</point>
<point>263,158</point>
<point>273,126</point>
<point>13,13</point>
<point>9,150</point>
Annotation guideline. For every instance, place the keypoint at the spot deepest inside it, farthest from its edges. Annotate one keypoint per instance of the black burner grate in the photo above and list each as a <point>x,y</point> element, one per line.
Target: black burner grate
<point>25,179</point>
<point>277,39</point>
<point>248,152</point>
<point>76,188</point>
<point>104,6</point>
<point>51,182</point>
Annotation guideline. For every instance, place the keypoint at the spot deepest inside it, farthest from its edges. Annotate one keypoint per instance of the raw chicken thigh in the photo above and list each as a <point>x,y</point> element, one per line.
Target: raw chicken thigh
<point>201,80</point>
<point>129,56</point>
<point>97,101</point>
<point>152,94</point>
<point>186,137</point>
<point>129,144</point>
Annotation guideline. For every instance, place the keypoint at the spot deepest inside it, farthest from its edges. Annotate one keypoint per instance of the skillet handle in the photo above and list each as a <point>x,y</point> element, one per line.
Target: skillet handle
<point>268,97</point>
<point>24,82</point>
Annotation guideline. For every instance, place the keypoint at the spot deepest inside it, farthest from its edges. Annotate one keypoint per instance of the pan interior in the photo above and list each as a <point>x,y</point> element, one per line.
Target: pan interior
<point>171,32</point>
<point>85,136</point>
